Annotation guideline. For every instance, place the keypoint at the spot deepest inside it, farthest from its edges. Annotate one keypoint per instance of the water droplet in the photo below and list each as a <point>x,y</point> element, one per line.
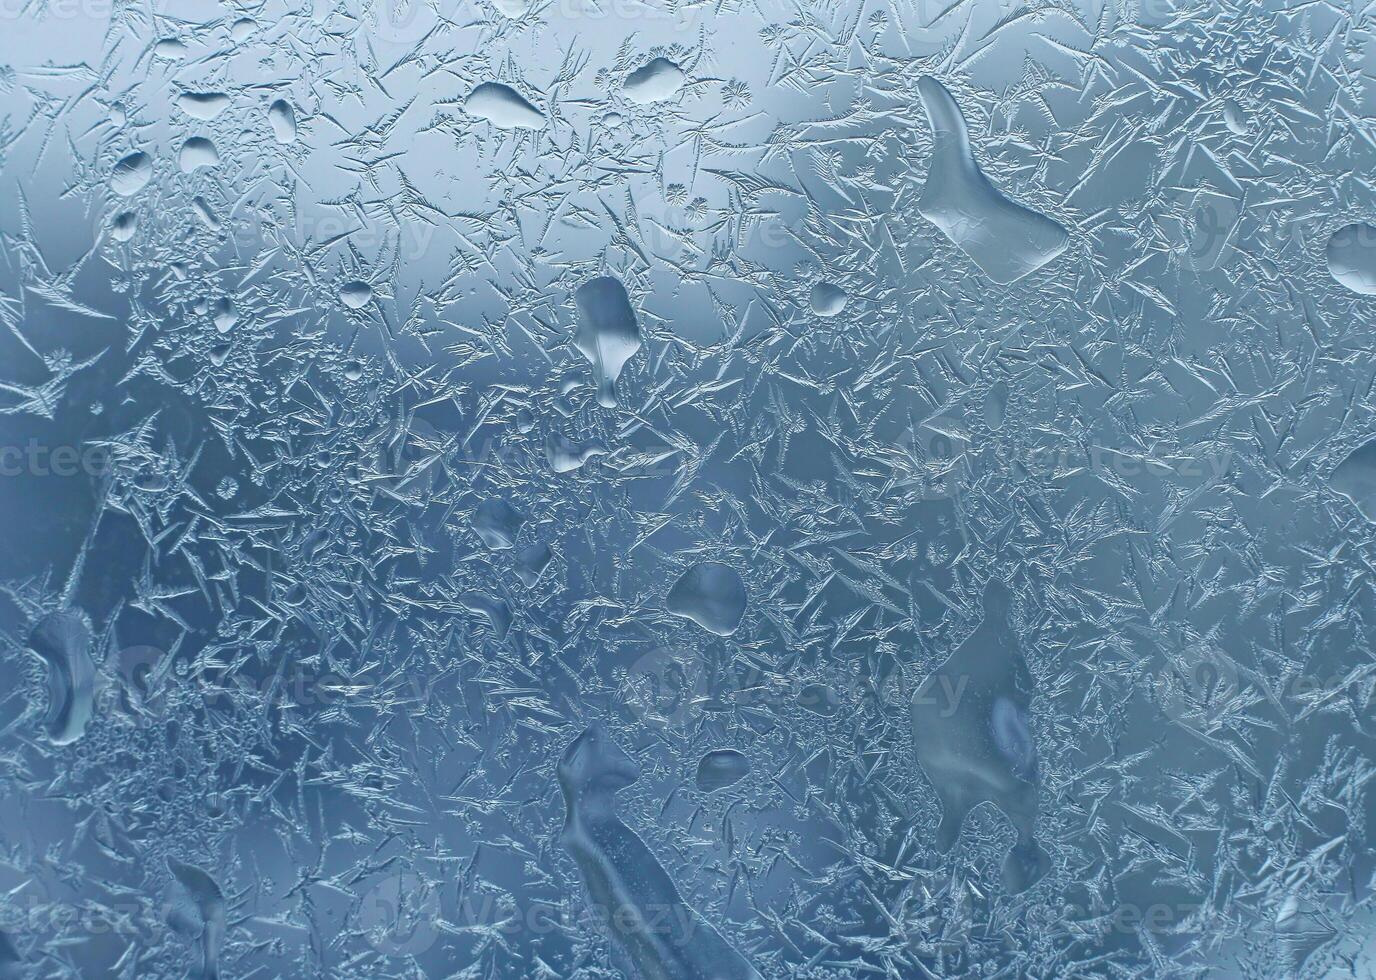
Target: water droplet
<point>970,735</point>
<point>503,107</point>
<point>996,405</point>
<point>1234,118</point>
<point>131,174</point>
<point>497,523</point>
<point>608,334</point>
<point>720,769</point>
<point>495,611</point>
<point>1352,257</point>
<point>656,81</point>
<point>1006,240</point>
<point>62,641</point>
<point>124,226</point>
<point>1355,479</point>
<point>710,594</point>
<point>11,963</point>
<point>565,456</point>
<point>196,909</point>
<point>197,152</point>
<point>226,316</point>
<point>531,561</point>
<point>355,295</point>
<point>170,48</point>
<point>827,299</point>
<point>203,105</point>
<point>282,118</point>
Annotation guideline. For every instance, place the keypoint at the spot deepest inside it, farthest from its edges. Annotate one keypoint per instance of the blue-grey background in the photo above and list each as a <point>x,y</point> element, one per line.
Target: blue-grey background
<point>306,683</point>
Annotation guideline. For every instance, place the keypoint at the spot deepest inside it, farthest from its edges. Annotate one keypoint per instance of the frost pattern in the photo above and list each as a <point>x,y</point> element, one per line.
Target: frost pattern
<point>603,488</point>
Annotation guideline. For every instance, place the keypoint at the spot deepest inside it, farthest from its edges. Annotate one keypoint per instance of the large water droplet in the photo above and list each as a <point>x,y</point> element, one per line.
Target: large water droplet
<point>565,456</point>
<point>282,118</point>
<point>203,105</point>
<point>1006,240</point>
<point>503,107</point>
<point>971,737</point>
<point>355,295</point>
<point>197,152</point>
<point>996,405</point>
<point>497,523</point>
<point>62,641</point>
<point>608,334</point>
<point>626,878</point>
<point>1234,118</point>
<point>1355,479</point>
<point>170,48</point>
<point>124,226</point>
<point>1352,257</point>
<point>710,594</point>
<point>531,561</point>
<point>196,909</point>
<point>827,299</point>
<point>656,81</point>
<point>722,768</point>
<point>11,963</point>
<point>226,316</point>
<point>131,174</point>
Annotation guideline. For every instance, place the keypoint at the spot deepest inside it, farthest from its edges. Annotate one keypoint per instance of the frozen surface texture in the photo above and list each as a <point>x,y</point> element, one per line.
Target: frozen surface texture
<point>667,490</point>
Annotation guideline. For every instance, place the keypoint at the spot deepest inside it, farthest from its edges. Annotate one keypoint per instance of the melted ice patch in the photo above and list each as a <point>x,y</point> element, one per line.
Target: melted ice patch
<point>565,456</point>
<point>1006,240</point>
<point>196,909</point>
<point>497,523</point>
<point>125,225</point>
<point>661,934</point>
<point>11,963</point>
<point>62,640</point>
<point>972,739</point>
